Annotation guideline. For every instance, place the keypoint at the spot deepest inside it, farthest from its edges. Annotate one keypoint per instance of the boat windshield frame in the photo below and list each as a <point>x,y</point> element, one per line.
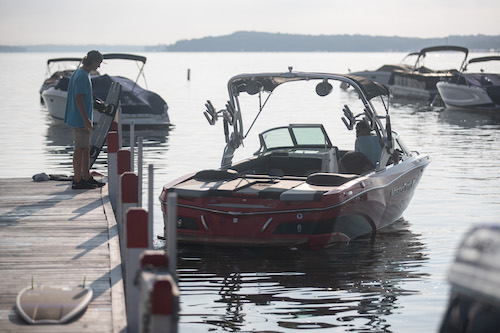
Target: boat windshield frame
<point>294,136</point>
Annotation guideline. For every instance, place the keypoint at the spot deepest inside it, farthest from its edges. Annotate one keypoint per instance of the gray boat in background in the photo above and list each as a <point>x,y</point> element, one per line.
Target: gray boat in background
<point>474,304</point>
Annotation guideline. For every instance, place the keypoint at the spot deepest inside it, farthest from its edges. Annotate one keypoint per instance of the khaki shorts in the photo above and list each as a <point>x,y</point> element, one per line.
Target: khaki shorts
<point>81,137</point>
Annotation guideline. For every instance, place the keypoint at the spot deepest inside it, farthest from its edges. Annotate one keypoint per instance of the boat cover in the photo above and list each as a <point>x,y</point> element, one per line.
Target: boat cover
<point>482,80</point>
<point>134,99</point>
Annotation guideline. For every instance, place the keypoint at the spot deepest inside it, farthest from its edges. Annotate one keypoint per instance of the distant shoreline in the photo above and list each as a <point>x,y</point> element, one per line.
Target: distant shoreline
<point>248,41</point>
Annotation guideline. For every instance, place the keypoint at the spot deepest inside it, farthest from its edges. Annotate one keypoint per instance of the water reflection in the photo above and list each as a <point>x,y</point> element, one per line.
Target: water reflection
<point>470,118</point>
<point>59,141</point>
<point>58,136</point>
<point>153,136</point>
<point>413,105</point>
<point>354,286</point>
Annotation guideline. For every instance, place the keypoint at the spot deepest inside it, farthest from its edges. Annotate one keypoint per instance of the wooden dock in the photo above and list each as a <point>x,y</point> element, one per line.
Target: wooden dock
<point>59,236</point>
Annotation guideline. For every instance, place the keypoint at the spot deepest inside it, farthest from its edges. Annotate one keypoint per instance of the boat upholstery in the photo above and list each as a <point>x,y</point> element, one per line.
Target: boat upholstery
<point>329,179</point>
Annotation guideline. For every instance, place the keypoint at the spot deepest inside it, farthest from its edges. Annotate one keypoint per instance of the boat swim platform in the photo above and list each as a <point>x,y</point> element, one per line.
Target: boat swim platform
<point>57,236</point>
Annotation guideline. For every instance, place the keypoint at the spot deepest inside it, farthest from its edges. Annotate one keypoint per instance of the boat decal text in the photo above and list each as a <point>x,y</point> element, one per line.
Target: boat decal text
<point>403,188</point>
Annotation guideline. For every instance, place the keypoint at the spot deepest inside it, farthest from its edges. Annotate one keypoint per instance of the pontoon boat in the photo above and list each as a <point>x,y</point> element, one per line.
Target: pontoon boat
<point>419,82</point>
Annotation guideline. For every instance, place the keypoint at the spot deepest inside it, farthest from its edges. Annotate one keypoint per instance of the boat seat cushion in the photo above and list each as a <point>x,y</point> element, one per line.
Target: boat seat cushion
<point>355,163</point>
<point>294,166</point>
<point>329,179</point>
<point>215,175</point>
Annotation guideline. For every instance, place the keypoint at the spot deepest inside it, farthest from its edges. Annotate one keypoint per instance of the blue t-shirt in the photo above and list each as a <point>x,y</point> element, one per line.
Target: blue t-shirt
<point>78,84</point>
<point>369,145</point>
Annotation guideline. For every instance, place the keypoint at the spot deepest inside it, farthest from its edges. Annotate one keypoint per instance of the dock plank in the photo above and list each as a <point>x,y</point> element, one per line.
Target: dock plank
<point>59,236</point>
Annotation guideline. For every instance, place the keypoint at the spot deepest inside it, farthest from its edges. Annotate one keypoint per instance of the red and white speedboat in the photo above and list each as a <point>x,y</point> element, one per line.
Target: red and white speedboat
<point>299,189</point>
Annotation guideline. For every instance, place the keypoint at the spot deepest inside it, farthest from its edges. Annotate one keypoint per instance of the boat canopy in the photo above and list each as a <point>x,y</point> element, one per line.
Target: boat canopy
<point>444,48</point>
<point>63,59</point>
<point>426,50</point>
<point>479,59</point>
<point>124,56</point>
<point>252,84</point>
<point>108,56</point>
<point>484,59</point>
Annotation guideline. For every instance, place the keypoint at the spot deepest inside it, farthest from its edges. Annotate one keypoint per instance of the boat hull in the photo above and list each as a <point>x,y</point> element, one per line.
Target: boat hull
<point>316,217</point>
<point>416,86</point>
<point>55,102</point>
<point>464,96</point>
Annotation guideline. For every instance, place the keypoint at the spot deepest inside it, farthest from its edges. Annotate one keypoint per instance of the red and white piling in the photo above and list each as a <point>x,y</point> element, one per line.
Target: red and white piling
<point>113,147</point>
<point>128,199</point>
<point>152,295</point>
<point>159,294</point>
<point>122,166</point>
<point>137,242</point>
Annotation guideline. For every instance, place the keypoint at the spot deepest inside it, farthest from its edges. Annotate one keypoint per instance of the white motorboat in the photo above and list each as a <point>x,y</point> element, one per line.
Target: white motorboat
<point>58,68</point>
<point>472,90</point>
<point>145,108</point>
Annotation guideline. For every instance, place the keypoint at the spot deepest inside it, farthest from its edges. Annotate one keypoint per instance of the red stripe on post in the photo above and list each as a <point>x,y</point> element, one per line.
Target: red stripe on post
<point>154,258</point>
<point>123,161</point>
<point>129,182</point>
<point>114,126</point>
<point>137,228</point>
<point>162,296</point>
<point>112,142</point>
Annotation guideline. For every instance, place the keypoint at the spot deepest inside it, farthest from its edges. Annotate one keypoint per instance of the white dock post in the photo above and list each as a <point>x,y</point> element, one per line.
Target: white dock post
<point>172,233</point>
<point>112,143</point>
<point>123,165</point>
<point>118,120</point>
<point>150,200</point>
<point>128,200</point>
<point>132,145</point>
<point>139,169</point>
<point>137,242</point>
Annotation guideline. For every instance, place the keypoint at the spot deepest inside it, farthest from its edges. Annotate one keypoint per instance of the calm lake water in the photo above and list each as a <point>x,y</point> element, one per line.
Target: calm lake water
<point>395,281</point>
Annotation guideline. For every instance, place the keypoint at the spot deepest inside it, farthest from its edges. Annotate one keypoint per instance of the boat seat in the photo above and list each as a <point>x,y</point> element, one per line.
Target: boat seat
<point>355,163</point>
<point>294,166</point>
<point>215,175</point>
<point>329,179</point>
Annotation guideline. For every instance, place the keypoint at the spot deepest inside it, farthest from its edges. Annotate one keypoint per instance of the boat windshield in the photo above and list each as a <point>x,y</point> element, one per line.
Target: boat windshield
<point>295,136</point>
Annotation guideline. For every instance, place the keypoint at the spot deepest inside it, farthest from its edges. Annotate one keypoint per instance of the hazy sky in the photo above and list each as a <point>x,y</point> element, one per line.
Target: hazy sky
<point>152,22</point>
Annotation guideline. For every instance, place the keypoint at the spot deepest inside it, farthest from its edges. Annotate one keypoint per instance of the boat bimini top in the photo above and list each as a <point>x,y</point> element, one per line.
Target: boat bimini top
<point>423,52</point>
<point>264,84</point>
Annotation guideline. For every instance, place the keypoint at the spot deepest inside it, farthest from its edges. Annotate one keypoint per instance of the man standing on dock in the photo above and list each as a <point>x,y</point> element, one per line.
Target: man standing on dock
<point>79,117</point>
